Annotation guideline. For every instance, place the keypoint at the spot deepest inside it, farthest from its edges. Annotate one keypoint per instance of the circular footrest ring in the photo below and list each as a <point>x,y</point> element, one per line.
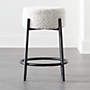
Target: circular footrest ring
<point>43,64</point>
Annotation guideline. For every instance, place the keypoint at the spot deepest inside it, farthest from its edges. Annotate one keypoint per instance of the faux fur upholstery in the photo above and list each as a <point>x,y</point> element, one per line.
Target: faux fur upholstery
<point>43,17</point>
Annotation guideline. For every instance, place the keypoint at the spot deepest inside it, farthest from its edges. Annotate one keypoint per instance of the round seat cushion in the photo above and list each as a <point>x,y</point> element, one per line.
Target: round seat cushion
<point>43,17</point>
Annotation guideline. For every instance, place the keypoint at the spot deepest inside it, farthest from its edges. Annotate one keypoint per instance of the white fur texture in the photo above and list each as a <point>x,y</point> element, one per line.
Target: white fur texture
<point>45,18</point>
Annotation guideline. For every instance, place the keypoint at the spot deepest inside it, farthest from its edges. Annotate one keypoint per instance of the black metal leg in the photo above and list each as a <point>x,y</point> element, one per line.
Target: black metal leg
<point>61,49</point>
<point>26,49</point>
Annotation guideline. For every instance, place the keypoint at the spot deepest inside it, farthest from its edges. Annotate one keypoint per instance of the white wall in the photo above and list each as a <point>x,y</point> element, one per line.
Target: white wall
<point>12,33</point>
<point>84,45</point>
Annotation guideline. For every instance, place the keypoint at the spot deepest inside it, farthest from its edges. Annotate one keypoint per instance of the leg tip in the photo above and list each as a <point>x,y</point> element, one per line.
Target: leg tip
<point>24,79</point>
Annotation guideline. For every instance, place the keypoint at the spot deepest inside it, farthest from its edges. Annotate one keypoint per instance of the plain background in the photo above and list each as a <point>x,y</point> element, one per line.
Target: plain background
<point>12,33</point>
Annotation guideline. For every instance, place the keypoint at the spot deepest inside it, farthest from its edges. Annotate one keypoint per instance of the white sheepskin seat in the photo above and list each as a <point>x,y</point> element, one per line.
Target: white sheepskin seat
<point>43,17</point>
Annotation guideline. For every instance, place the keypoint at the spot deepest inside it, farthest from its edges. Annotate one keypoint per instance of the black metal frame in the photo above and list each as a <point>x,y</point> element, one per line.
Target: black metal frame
<point>61,59</point>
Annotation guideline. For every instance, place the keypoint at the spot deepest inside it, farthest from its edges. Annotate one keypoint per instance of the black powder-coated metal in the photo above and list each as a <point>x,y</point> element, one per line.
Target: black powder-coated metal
<point>61,49</point>
<point>26,51</point>
<point>61,59</point>
<point>43,28</point>
<point>43,64</point>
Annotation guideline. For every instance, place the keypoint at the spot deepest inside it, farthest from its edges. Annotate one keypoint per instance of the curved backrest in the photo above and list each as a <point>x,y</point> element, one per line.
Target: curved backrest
<point>43,18</point>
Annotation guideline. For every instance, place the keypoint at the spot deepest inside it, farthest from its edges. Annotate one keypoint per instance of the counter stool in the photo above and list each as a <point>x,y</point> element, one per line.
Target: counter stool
<point>39,18</point>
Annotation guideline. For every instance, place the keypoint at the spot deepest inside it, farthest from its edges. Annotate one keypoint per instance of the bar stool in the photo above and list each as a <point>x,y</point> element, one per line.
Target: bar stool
<point>39,18</point>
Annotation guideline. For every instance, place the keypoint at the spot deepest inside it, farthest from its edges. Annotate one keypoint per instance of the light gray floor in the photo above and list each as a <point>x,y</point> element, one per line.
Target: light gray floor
<point>47,78</point>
